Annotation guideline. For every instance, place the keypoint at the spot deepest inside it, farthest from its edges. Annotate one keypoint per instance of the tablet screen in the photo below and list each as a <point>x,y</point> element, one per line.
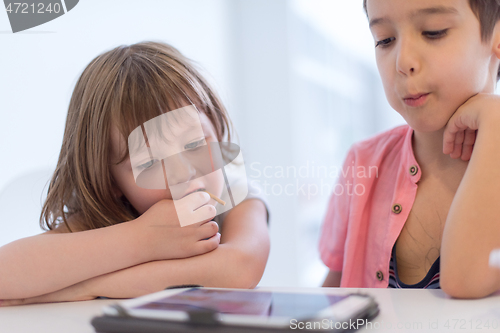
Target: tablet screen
<point>263,304</point>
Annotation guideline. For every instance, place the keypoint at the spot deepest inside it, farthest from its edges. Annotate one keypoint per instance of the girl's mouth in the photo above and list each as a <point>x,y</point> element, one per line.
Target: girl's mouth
<point>197,190</point>
<point>416,100</point>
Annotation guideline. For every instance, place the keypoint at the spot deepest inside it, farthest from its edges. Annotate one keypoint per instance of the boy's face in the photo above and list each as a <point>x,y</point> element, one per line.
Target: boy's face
<point>430,57</point>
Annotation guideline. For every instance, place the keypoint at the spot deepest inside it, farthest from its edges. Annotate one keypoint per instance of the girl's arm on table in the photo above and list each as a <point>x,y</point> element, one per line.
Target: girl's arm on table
<point>472,228</point>
<point>48,262</point>
<point>238,262</point>
<point>52,261</point>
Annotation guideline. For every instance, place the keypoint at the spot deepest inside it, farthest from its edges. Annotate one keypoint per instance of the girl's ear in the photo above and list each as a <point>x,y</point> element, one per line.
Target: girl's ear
<point>117,192</point>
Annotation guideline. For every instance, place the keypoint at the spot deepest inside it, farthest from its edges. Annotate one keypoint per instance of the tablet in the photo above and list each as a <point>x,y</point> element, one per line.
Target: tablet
<point>249,308</point>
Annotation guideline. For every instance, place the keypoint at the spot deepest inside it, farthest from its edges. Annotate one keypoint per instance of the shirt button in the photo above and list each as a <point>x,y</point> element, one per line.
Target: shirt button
<point>413,170</point>
<point>396,208</point>
<point>380,275</point>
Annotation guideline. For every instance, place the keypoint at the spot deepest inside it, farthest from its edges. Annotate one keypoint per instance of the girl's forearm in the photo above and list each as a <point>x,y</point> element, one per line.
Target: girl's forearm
<point>226,266</point>
<point>223,267</point>
<point>472,228</point>
<point>45,263</point>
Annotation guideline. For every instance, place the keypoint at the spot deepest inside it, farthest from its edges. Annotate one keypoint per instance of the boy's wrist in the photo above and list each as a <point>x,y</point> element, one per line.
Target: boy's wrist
<point>489,112</point>
<point>490,119</point>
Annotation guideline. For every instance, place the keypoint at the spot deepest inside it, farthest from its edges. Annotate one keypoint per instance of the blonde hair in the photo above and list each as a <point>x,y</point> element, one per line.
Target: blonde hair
<point>124,87</point>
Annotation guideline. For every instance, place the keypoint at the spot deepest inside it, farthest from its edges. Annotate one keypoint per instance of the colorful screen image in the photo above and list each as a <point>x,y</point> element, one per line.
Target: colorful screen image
<point>266,304</point>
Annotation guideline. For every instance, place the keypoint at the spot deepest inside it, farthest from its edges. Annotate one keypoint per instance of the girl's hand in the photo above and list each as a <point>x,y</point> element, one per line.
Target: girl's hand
<point>73,293</point>
<point>166,239</point>
<point>460,132</point>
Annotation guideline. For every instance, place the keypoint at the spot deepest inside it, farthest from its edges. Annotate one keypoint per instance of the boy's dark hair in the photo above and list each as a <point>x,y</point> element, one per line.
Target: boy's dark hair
<point>488,14</point>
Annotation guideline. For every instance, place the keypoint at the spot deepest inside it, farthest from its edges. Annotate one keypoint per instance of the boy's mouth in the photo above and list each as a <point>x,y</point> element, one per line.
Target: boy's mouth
<point>415,100</point>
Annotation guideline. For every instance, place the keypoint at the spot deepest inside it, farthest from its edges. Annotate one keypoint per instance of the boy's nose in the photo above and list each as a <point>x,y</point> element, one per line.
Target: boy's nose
<point>407,61</point>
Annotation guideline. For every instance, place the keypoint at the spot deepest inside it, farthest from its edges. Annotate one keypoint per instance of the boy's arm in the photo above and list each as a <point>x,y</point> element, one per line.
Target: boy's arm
<point>472,227</point>
<point>333,279</point>
<point>238,262</point>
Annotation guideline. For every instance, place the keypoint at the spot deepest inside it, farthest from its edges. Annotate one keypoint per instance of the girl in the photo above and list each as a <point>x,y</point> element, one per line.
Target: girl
<point>426,219</point>
<point>106,235</point>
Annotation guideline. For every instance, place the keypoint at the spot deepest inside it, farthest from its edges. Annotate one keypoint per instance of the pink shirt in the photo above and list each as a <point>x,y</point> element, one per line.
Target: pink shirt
<point>369,206</point>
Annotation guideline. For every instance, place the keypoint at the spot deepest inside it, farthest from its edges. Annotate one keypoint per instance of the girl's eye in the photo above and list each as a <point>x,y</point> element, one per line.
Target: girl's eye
<point>195,144</point>
<point>435,34</point>
<point>385,42</point>
<point>148,164</point>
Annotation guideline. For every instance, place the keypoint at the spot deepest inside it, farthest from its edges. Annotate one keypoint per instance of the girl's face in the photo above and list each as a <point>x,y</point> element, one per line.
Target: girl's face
<point>181,175</point>
<point>430,57</point>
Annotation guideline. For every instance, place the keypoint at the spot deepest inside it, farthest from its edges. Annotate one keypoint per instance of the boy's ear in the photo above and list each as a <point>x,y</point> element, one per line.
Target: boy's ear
<point>496,40</point>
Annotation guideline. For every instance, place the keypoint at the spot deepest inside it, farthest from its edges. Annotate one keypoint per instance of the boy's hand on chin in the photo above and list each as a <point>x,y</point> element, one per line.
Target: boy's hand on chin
<point>460,132</point>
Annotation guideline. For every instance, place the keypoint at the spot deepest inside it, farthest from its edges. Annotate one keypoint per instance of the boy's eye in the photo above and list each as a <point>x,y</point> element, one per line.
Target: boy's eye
<point>148,164</point>
<point>385,42</point>
<point>435,34</point>
<point>195,144</point>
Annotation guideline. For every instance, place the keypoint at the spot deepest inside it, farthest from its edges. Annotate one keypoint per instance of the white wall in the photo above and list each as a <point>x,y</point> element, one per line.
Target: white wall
<point>39,68</point>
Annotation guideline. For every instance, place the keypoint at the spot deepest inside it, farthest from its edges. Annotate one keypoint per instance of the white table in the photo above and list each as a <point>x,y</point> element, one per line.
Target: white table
<point>400,311</point>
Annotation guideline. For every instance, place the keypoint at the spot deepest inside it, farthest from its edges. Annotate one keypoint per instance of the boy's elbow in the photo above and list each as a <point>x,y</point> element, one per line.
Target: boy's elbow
<point>468,286</point>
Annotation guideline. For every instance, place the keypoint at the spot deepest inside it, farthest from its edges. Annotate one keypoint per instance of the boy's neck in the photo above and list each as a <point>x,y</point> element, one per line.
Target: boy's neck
<point>428,150</point>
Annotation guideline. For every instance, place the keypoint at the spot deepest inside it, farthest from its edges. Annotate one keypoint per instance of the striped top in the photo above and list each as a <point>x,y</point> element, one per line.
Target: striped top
<point>430,281</point>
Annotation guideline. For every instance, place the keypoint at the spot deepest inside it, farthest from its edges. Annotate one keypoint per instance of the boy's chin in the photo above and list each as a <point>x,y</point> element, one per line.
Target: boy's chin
<point>428,126</point>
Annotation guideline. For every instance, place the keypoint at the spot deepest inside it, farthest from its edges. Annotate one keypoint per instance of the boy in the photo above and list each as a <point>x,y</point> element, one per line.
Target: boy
<point>432,217</point>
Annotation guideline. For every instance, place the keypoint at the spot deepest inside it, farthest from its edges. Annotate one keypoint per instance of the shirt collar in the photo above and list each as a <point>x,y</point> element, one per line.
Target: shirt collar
<point>412,169</point>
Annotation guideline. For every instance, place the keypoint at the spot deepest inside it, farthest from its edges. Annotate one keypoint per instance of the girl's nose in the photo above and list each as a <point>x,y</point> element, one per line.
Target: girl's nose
<point>178,169</point>
<point>407,61</point>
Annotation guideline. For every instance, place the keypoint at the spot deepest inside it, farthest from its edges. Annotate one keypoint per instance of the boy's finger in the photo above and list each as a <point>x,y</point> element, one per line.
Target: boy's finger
<point>470,138</point>
<point>449,139</point>
<point>466,153</point>
<point>459,138</point>
<point>457,149</point>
